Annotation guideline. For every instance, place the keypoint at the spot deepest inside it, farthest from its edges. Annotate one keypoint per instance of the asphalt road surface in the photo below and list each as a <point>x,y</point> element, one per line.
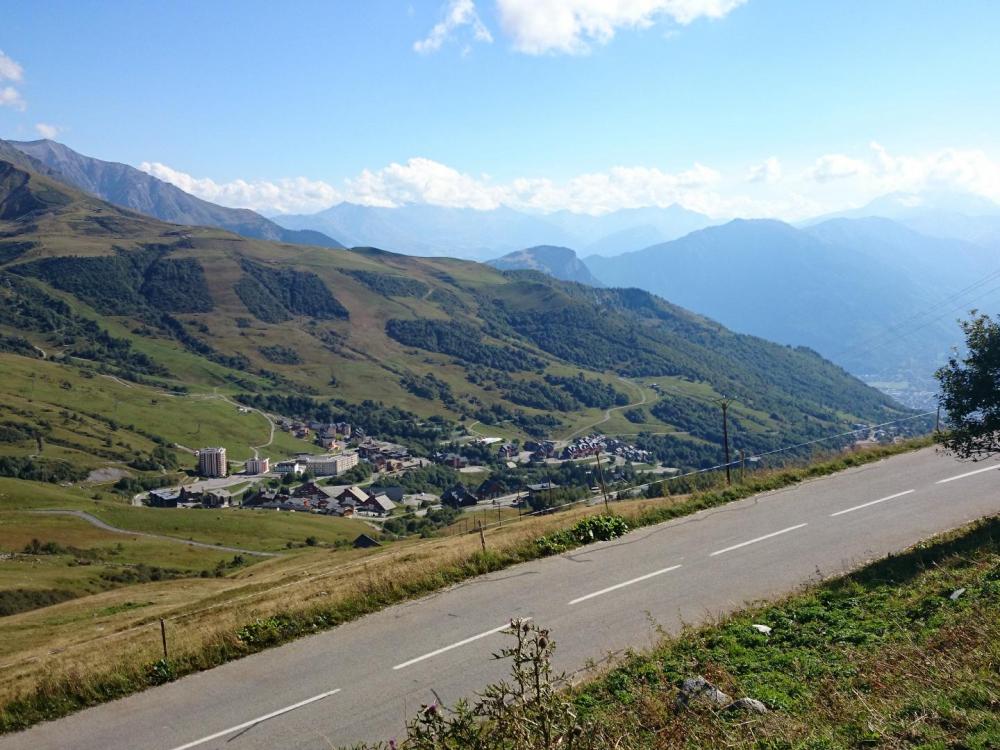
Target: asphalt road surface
<point>362,681</point>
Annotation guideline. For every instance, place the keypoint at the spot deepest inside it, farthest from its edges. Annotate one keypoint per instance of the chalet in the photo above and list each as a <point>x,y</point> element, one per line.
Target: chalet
<point>376,505</point>
<point>214,499</point>
<point>458,496</point>
<point>453,460</point>
<point>541,490</point>
<point>166,498</point>
<point>508,450</point>
<point>394,493</point>
<point>261,497</point>
<point>491,488</point>
<point>310,489</point>
<point>352,496</point>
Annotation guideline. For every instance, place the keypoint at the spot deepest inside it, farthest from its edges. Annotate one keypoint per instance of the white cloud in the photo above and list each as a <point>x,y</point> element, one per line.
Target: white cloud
<point>837,167</point>
<point>768,172</point>
<point>422,181</point>
<point>618,187</point>
<point>286,195</point>
<point>831,182</point>
<point>11,97</point>
<point>570,26</point>
<point>47,131</point>
<point>879,172</point>
<point>458,13</point>
<point>10,70</point>
<point>12,73</point>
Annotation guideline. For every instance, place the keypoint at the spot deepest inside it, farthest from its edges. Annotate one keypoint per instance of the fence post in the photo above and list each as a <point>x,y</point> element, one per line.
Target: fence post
<point>482,535</point>
<point>163,636</point>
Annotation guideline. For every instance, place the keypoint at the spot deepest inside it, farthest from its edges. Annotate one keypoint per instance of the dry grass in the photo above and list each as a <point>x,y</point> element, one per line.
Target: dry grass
<point>69,667</point>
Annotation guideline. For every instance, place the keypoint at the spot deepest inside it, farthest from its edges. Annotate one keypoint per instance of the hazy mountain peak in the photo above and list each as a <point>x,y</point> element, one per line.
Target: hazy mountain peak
<point>559,262</point>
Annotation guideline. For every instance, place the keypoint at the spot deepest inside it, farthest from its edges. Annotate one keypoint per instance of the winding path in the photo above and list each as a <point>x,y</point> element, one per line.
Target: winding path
<point>94,520</point>
<point>607,414</point>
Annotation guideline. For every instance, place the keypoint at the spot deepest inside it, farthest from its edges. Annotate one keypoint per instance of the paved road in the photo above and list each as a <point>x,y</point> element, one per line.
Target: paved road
<point>362,680</point>
<point>83,515</point>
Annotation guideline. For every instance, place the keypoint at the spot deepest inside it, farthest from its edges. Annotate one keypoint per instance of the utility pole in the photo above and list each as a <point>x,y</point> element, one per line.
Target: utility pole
<point>163,637</point>
<point>937,420</point>
<point>604,489</point>
<point>743,464</point>
<point>725,435</point>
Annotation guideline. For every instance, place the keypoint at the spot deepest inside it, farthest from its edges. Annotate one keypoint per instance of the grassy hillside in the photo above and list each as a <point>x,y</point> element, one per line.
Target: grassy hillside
<point>188,309</point>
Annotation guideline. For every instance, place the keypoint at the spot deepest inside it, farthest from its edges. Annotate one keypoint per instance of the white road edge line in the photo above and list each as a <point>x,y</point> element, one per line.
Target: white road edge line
<point>432,654</point>
<point>967,474</point>
<point>758,539</point>
<point>873,502</point>
<point>259,719</point>
<point>624,584</point>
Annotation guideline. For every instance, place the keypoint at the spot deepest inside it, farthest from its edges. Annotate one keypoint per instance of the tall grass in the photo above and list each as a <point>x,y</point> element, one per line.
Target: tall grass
<point>46,692</point>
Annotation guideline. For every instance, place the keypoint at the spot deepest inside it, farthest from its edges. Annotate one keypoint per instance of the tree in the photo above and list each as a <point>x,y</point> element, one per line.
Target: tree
<point>970,391</point>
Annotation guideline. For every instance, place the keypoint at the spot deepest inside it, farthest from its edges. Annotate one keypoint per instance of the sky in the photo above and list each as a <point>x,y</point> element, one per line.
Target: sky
<point>784,108</point>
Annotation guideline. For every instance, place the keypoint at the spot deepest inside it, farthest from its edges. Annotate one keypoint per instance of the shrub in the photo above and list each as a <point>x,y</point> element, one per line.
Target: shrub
<point>591,529</point>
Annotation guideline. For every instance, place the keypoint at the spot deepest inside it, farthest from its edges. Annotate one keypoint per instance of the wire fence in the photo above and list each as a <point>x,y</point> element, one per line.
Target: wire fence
<point>154,626</point>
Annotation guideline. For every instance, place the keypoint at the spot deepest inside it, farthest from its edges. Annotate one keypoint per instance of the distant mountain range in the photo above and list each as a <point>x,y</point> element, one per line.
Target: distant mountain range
<point>558,262</point>
<point>877,289</point>
<point>936,213</point>
<point>871,294</point>
<point>420,229</point>
<point>405,347</point>
<point>129,187</point>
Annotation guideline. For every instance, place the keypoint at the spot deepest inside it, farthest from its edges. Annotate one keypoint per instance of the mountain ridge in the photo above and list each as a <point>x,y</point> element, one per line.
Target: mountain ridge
<point>365,332</point>
<point>131,188</point>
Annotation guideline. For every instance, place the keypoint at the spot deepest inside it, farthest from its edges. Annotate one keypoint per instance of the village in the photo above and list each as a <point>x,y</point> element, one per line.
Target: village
<point>359,476</point>
<point>355,475</point>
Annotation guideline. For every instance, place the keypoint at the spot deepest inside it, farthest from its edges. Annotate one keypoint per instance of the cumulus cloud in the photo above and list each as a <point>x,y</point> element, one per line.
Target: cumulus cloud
<point>10,70</point>
<point>47,131</point>
<point>571,26</point>
<point>618,187</point>
<point>832,182</point>
<point>458,14</point>
<point>837,167</point>
<point>879,171</point>
<point>286,195</point>
<point>11,97</point>
<point>422,180</point>
<point>768,172</point>
<point>10,73</point>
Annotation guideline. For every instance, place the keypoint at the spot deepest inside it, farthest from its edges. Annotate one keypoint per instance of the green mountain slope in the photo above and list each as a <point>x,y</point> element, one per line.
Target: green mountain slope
<point>315,331</point>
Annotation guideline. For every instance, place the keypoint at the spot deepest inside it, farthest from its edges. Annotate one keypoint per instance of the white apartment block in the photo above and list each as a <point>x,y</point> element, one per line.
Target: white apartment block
<point>212,462</point>
<point>331,466</point>
<point>258,466</point>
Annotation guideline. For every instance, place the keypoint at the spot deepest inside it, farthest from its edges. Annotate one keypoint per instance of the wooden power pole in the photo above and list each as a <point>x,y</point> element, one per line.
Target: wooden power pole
<point>604,489</point>
<point>725,436</point>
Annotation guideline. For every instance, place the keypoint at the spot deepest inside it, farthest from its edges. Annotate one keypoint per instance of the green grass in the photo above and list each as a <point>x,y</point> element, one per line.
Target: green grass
<point>264,530</point>
<point>232,527</point>
<point>193,421</point>
<point>881,658</point>
<point>87,556</point>
<point>61,695</point>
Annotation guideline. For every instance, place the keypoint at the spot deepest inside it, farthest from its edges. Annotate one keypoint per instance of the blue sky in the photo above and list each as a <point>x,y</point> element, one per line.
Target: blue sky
<point>759,107</point>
